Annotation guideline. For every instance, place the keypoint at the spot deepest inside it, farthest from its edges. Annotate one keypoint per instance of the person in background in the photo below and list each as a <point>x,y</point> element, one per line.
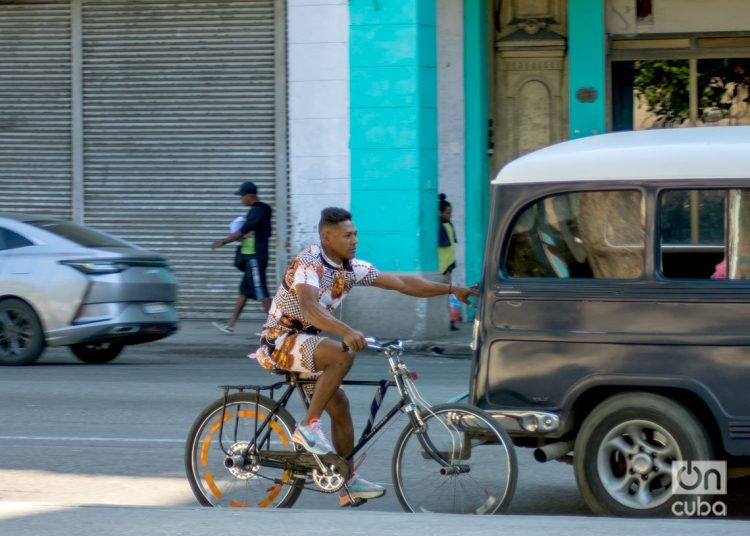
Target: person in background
<point>254,234</point>
<point>720,272</point>
<point>447,254</point>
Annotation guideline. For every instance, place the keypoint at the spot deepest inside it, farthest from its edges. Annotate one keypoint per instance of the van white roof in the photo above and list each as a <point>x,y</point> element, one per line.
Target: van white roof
<point>673,153</point>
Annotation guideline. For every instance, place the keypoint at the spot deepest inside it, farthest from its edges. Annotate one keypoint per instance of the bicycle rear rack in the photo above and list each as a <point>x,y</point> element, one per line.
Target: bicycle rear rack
<point>260,390</point>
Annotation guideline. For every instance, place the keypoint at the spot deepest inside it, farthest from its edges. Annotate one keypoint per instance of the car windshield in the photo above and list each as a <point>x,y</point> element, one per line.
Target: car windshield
<point>84,236</point>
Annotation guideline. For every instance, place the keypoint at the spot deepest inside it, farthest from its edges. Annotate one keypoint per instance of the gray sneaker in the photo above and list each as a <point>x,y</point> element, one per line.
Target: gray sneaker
<point>312,438</point>
<point>359,490</point>
<point>223,327</point>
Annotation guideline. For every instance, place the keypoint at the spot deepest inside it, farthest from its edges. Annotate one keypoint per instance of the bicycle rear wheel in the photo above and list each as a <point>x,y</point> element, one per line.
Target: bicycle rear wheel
<point>460,462</point>
<point>239,486</point>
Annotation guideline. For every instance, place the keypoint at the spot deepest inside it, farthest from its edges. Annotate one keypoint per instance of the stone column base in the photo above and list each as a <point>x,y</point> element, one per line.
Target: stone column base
<point>391,315</point>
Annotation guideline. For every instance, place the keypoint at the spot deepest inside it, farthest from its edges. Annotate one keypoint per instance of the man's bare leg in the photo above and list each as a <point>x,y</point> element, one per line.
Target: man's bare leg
<point>239,305</point>
<point>335,363</point>
<point>342,428</point>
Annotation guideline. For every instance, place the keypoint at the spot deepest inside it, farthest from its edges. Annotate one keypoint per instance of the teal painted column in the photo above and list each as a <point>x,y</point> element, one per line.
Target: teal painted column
<point>393,125</point>
<point>476,166</point>
<point>587,67</point>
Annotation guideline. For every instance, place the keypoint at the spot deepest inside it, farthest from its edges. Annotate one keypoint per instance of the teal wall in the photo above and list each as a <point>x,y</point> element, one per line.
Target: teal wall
<point>393,125</point>
<point>587,67</point>
<point>476,110</point>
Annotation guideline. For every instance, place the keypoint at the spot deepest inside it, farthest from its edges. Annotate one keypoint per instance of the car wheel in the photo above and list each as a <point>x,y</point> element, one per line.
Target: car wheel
<point>624,452</point>
<point>97,353</point>
<point>21,335</point>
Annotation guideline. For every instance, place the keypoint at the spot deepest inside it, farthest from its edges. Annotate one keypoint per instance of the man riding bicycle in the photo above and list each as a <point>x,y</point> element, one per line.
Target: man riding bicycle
<point>315,283</point>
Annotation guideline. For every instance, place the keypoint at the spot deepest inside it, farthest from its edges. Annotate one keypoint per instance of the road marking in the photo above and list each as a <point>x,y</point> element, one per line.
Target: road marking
<point>120,439</point>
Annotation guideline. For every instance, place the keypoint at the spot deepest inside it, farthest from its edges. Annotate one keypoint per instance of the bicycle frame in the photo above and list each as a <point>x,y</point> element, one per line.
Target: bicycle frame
<point>401,380</point>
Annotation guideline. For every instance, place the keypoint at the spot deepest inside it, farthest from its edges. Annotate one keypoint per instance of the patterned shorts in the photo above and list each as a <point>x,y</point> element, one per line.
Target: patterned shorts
<point>293,351</point>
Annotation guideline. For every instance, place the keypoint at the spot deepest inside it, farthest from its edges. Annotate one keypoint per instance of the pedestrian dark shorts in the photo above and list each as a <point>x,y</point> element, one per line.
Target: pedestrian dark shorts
<point>253,284</point>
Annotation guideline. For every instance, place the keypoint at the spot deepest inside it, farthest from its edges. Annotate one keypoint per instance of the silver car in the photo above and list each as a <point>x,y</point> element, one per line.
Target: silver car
<point>63,284</point>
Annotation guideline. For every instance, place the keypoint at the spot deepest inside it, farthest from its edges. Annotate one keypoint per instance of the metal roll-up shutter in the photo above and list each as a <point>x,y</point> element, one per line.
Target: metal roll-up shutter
<point>35,117</point>
<point>179,109</point>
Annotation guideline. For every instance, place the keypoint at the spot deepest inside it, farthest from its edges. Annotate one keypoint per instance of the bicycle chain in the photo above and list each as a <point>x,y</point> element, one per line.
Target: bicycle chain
<point>306,485</point>
<point>324,483</point>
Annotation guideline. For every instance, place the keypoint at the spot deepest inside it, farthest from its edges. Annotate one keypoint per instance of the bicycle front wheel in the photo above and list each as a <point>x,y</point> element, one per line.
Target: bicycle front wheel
<point>461,461</point>
<point>222,432</point>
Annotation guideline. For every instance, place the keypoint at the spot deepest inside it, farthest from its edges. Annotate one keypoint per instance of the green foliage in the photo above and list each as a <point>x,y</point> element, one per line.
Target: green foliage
<point>665,87</point>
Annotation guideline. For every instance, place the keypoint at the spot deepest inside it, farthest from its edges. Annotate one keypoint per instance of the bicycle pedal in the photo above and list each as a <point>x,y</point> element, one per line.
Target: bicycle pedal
<point>354,504</point>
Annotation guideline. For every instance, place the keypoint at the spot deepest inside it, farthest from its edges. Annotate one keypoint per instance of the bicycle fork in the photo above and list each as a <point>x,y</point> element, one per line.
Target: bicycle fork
<point>446,459</point>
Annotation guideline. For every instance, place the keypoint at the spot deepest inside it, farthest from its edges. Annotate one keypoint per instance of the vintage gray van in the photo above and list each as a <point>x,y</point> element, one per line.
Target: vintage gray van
<point>614,322</point>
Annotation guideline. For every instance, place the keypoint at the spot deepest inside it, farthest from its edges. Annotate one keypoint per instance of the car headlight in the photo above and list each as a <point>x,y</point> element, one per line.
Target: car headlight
<point>96,267</point>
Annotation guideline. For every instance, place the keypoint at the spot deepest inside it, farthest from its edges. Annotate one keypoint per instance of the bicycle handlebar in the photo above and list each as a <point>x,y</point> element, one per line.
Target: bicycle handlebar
<point>378,345</point>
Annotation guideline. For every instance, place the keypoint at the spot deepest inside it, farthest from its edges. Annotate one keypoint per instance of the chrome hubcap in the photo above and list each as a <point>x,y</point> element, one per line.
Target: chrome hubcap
<point>642,464</point>
<point>634,464</point>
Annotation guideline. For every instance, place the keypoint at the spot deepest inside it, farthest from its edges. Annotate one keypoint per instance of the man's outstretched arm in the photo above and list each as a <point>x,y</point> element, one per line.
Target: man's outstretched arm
<point>318,316</point>
<point>421,287</point>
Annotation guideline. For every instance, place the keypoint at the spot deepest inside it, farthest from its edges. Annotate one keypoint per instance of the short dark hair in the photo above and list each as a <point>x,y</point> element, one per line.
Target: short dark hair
<point>333,215</point>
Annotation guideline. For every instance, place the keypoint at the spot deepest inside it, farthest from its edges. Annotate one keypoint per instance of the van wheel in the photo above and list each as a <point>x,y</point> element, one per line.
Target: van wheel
<point>625,449</point>
<point>21,335</point>
<point>97,353</point>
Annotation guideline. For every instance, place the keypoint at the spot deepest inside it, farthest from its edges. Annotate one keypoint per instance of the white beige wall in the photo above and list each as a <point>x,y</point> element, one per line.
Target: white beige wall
<point>318,56</point>
<point>679,16</point>
<point>451,123</point>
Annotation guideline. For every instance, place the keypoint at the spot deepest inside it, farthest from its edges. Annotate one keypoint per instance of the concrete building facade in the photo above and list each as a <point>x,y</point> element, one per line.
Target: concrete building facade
<point>373,105</point>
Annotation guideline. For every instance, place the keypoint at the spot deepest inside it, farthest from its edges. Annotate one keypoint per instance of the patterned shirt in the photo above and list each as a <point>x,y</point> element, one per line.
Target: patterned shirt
<point>310,267</point>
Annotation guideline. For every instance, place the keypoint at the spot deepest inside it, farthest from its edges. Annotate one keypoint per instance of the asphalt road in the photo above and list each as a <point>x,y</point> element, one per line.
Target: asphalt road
<point>77,434</point>
<point>114,434</point>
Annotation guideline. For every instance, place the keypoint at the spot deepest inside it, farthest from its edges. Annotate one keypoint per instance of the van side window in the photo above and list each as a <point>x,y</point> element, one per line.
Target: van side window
<point>691,228</point>
<point>12,240</point>
<point>703,234</point>
<point>596,235</point>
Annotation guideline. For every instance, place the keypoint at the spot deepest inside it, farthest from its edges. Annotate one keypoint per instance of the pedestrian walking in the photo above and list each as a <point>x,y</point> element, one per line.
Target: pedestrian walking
<point>252,253</point>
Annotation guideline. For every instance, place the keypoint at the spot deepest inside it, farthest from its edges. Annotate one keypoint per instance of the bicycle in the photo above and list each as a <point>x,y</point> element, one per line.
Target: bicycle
<point>449,458</point>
